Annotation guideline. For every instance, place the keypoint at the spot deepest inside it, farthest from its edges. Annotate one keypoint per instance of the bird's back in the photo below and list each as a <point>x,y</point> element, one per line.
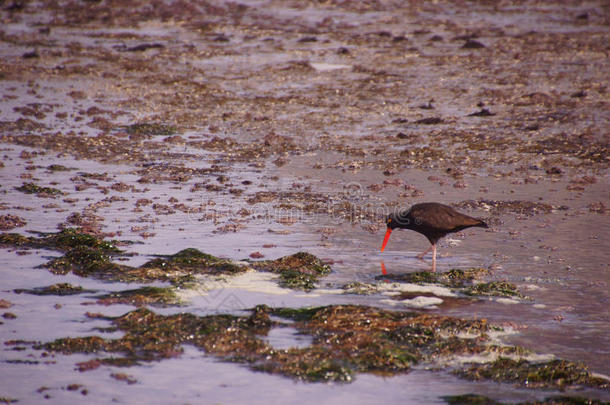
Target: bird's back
<point>435,220</point>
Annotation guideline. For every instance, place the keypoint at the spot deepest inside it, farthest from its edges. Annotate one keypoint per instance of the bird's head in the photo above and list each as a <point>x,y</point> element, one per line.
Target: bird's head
<point>392,221</point>
<point>397,219</point>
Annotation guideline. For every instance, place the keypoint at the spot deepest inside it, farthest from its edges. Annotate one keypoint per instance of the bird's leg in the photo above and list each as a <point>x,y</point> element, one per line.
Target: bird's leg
<point>422,254</point>
<point>434,258</point>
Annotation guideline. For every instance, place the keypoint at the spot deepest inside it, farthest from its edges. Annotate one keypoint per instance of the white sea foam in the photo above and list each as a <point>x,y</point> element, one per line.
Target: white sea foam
<point>417,302</point>
<point>416,288</point>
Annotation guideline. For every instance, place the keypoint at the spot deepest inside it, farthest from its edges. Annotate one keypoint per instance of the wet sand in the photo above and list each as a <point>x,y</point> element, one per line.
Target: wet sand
<point>266,128</point>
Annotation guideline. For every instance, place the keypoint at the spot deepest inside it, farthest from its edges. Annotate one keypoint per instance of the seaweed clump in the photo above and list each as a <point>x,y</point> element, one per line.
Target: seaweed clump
<point>70,238</point>
<point>178,269</point>
<point>87,255</point>
<point>455,278</point>
<point>14,239</point>
<point>64,240</point>
<point>494,288</point>
<point>196,262</point>
<point>149,336</point>
<point>85,261</point>
<point>346,339</point>
<point>553,374</point>
<point>299,271</point>
<point>155,296</point>
<point>464,281</point>
<point>359,288</point>
<point>9,221</point>
<point>84,254</point>
<point>60,289</point>
<point>33,188</point>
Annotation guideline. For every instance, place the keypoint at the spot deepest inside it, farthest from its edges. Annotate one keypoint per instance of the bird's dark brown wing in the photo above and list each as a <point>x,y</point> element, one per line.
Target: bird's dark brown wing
<point>441,217</point>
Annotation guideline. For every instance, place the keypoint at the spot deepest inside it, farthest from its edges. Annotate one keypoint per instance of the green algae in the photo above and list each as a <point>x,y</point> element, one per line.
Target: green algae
<point>420,277</point>
<point>359,288</point>
<point>14,239</point>
<point>70,238</point>
<point>87,255</point>
<point>462,281</point>
<point>296,314</point>
<point>347,339</point>
<point>297,280</point>
<point>178,269</point>
<point>453,278</point>
<point>299,271</point>
<point>60,289</point>
<point>196,262</point>
<point>494,288</point>
<point>33,188</point>
<point>552,374</point>
<point>84,261</point>
<point>459,277</point>
<point>84,254</point>
<point>155,296</point>
<point>64,240</point>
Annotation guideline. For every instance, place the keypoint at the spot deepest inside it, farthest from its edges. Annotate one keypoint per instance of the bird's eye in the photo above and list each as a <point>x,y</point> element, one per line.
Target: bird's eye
<point>389,220</point>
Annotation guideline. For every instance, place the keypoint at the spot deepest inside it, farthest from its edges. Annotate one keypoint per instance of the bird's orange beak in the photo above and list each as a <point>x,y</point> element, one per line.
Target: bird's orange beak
<point>385,239</point>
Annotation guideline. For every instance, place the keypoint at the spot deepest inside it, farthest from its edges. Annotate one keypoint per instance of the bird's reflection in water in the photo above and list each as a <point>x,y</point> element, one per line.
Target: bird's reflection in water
<point>384,272</point>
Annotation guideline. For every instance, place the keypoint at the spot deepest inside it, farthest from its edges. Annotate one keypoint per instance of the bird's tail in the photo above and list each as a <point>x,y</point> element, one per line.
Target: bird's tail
<point>482,224</point>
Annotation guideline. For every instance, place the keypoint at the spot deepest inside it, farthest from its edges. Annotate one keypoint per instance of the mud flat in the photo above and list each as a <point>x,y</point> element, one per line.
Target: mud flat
<point>192,195</point>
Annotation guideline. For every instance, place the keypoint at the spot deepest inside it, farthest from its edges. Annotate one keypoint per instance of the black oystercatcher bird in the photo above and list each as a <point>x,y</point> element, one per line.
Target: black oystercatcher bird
<point>433,220</point>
